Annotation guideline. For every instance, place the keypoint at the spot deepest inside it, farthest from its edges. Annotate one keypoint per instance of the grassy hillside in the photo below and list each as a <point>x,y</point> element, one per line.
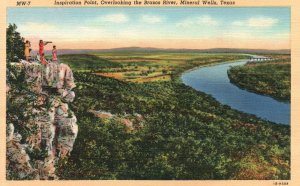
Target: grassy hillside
<point>86,62</point>
<point>184,134</point>
<point>272,78</point>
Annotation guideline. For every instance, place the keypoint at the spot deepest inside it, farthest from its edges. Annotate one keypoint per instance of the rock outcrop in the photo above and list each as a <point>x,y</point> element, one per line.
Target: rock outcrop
<point>41,129</point>
<point>131,122</point>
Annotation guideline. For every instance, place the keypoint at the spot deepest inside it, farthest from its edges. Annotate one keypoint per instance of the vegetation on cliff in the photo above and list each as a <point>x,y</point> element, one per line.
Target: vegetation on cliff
<point>41,129</point>
<point>14,44</point>
<point>272,78</point>
<point>186,135</point>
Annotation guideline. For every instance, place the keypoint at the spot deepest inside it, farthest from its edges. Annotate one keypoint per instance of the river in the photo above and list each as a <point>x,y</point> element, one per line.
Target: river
<point>214,80</point>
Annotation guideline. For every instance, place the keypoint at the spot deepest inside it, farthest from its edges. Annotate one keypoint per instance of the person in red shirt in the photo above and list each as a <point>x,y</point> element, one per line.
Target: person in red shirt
<point>41,46</point>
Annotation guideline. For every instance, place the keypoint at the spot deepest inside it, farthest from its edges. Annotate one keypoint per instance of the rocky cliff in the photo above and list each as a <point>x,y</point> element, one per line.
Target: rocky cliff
<point>41,129</point>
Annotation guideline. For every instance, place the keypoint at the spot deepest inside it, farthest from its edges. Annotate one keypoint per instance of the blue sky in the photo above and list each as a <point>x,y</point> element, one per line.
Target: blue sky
<point>156,27</point>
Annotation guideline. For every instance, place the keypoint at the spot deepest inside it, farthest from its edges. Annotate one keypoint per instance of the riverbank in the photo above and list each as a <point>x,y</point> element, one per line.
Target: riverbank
<point>213,80</point>
<point>271,79</point>
<point>178,78</point>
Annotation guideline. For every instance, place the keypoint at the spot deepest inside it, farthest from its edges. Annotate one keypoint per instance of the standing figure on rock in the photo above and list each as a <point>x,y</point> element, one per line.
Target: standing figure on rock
<point>41,46</point>
<point>54,54</point>
<point>27,50</point>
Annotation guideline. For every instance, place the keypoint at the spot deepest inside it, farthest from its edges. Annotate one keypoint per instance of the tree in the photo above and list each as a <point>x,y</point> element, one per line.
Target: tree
<point>14,44</point>
<point>164,71</point>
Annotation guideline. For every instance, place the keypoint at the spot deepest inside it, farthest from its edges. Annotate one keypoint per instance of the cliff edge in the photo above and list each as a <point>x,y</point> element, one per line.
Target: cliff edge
<point>41,129</point>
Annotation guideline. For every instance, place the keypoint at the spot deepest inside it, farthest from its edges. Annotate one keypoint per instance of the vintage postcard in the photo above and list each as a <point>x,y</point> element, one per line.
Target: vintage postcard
<point>150,92</point>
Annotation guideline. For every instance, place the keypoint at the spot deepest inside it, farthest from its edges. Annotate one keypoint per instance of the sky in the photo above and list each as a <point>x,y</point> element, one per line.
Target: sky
<point>180,27</point>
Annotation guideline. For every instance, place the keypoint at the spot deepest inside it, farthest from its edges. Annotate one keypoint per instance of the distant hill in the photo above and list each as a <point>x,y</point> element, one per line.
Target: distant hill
<point>149,49</point>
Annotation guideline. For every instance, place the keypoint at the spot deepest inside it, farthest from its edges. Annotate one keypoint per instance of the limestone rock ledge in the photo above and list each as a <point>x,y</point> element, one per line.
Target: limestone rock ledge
<point>41,129</point>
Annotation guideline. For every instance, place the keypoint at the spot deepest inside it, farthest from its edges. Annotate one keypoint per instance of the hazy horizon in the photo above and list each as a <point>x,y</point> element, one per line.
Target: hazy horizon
<point>147,47</point>
<point>167,28</point>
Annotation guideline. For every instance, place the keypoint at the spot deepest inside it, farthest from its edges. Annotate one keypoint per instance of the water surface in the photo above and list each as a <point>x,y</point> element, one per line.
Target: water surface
<point>214,80</point>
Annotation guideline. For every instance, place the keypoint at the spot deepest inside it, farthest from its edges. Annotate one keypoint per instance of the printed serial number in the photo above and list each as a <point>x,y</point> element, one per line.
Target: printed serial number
<point>23,3</point>
<point>281,183</point>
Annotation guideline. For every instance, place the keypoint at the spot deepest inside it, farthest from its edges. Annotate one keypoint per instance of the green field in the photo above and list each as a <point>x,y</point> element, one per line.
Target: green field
<point>142,66</point>
<point>272,78</point>
<point>184,134</point>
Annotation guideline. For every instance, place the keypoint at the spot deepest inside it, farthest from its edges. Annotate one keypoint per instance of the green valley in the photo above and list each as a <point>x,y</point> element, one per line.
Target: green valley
<point>136,66</point>
<point>183,133</point>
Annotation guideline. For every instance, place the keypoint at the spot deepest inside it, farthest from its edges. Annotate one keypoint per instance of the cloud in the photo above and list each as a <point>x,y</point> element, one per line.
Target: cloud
<point>85,33</point>
<point>151,19</point>
<point>205,20</point>
<point>185,23</point>
<point>258,22</point>
<point>59,32</point>
<point>114,18</point>
<point>283,35</point>
<point>280,35</point>
<point>36,27</point>
<point>262,22</point>
<point>238,23</point>
<point>129,33</point>
<point>255,36</point>
<point>238,34</point>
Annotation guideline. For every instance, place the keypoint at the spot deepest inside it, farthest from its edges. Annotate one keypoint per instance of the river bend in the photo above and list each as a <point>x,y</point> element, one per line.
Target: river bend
<point>214,80</point>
